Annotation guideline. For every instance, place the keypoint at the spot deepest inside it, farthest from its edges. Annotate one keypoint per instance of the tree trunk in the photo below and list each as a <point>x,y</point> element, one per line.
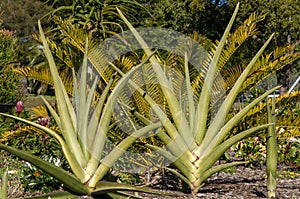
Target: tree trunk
<point>283,76</point>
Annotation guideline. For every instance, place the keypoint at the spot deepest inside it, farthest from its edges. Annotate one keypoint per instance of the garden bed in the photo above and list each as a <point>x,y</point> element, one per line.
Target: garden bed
<point>243,183</point>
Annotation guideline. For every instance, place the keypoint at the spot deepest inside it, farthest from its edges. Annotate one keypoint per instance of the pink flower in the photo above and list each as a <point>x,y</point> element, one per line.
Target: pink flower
<point>44,121</point>
<point>19,106</point>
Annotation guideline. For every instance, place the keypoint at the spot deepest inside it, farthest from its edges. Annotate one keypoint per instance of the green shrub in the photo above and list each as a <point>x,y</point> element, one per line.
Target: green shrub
<point>26,138</point>
<point>34,179</point>
<point>251,150</point>
<point>289,151</point>
<point>254,151</point>
<point>10,86</point>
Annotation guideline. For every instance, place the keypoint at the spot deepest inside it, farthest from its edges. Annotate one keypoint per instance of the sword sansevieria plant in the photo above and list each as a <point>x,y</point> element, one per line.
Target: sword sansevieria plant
<point>271,161</point>
<point>195,139</point>
<point>84,126</point>
<point>3,187</point>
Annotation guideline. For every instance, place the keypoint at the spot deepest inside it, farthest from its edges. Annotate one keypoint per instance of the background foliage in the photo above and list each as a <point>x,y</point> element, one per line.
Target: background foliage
<point>207,18</point>
<point>10,88</point>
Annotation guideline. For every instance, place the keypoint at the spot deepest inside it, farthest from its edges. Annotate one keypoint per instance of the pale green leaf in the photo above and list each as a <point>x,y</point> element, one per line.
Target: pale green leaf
<point>203,104</point>
<point>72,183</point>
<point>76,168</point>
<point>4,182</point>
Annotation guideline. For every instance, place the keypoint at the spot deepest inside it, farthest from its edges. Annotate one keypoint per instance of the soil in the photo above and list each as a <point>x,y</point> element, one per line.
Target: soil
<point>244,183</point>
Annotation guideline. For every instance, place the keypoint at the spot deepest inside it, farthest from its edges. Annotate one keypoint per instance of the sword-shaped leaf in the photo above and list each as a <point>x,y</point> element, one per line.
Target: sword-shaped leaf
<point>72,183</point>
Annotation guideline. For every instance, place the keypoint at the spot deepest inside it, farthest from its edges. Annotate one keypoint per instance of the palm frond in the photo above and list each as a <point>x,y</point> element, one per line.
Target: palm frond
<point>268,65</point>
<point>200,61</point>
<point>63,52</point>
<point>97,56</point>
<point>239,36</point>
<point>100,17</point>
<point>203,41</point>
<point>72,35</point>
<point>23,131</point>
<point>39,111</point>
<point>281,102</point>
<point>234,41</point>
<point>288,125</point>
<point>44,75</point>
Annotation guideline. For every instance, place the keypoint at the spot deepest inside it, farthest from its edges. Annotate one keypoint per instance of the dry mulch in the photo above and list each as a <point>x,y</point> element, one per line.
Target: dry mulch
<point>244,183</point>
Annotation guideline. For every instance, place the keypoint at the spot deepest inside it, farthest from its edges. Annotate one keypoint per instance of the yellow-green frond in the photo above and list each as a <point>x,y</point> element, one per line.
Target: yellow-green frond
<point>280,102</point>
<point>74,36</point>
<point>288,126</point>
<point>44,75</point>
<point>284,132</point>
<point>284,118</point>
<point>231,74</point>
<point>22,131</point>
<point>239,36</point>
<point>39,111</point>
<point>267,66</point>
<point>203,41</point>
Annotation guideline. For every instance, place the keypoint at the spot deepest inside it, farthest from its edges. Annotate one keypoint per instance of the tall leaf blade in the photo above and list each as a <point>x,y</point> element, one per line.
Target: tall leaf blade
<point>52,112</point>
<point>179,118</point>
<point>95,118</point>
<point>65,108</point>
<point>82,117</point>
<point>216,153</point>
<point>103,126</point>
<point>225,130</point>
<point>116,153</point>
<point>204,100</point>
<point>3,188</point>
<point>219,119</point>
<point>189,93</point>
<point>214,170</point>
<point>76,168</point>
<point>85,134</point>
<point>69,181</point>
<point>271,161</point>
<point>178,145</point>
<point>109,187</point>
